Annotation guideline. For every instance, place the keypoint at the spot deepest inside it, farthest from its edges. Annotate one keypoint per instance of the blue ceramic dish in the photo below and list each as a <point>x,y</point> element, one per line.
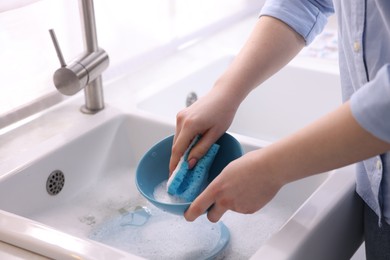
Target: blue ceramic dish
<point>153,169</point>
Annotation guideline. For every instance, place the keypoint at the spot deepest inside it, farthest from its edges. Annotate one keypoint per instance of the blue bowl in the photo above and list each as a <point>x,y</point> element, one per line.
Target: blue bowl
<point>153,169</point>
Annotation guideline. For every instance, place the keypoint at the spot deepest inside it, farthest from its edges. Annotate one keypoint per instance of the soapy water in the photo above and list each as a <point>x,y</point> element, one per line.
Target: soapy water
<point>154,234</point>
<point>91,212</point>
<point>160,194</point>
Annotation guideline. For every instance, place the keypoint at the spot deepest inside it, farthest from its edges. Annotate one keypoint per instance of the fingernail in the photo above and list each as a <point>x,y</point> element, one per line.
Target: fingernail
<point>191,163</point>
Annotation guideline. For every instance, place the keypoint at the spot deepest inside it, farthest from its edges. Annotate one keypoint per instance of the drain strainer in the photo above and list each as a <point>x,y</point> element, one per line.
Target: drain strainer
<point>55,182</point>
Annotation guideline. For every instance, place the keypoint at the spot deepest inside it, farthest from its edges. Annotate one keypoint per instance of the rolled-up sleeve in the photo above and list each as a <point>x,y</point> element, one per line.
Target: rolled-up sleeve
<point>306,17</point>
<point>370,105</point>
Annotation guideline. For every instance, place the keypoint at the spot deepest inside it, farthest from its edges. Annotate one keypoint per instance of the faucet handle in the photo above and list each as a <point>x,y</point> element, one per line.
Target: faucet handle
<point>68,79</point>
<point>57,47</point>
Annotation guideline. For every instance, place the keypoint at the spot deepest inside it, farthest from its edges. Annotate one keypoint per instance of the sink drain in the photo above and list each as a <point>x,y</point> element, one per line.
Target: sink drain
<point>55,182</point>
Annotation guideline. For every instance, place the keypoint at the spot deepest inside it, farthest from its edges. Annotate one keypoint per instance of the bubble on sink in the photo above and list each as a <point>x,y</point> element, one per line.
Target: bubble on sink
<point>89,220</point>
<point>160,194</point>
<point>162,236</point>
<point>255,228</point>
<point>138,217</point>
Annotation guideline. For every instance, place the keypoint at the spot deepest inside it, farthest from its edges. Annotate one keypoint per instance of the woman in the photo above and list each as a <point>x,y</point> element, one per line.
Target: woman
<point>358,131</point>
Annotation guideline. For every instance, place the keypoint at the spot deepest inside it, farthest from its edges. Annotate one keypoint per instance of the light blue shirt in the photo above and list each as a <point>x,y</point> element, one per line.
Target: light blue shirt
<point>364,44</point>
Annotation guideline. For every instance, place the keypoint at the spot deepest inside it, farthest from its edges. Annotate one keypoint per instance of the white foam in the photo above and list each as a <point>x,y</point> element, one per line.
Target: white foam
<point>249,232</point>
<point>103,200</point>
<point>175,171</point>
<point>160,194</point>
<point>163,236</point>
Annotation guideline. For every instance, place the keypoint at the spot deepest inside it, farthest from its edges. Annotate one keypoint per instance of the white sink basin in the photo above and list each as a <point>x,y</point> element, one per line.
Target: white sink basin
<point>98,158</point>
<point>291,99</point>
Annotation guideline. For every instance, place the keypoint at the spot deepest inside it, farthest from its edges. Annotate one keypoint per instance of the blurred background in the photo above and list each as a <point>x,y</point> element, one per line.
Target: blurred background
<point>134,33</point>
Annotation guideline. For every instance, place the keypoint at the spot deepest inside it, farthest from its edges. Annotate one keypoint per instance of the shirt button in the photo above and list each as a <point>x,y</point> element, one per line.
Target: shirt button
<point>356,46</point>
<point>379,165</point>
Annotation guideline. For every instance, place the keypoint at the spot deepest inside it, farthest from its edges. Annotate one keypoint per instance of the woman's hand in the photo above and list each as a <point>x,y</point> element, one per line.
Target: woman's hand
<point>271,45</point>
<point>244,186</point>
<point>210,117</point>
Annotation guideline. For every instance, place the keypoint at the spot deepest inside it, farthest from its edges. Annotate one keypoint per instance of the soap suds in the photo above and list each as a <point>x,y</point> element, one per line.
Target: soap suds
<point>160,194</point>
<point>116,193</point>
<point>163,236</point>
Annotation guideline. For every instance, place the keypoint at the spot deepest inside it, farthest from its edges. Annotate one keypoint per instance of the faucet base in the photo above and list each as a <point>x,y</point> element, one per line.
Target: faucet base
<point>93,94</point>
<point>85,110</point>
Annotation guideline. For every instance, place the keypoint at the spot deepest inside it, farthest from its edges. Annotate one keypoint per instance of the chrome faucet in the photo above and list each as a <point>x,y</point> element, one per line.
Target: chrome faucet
<point>192,97</point>
<point>84,72</point>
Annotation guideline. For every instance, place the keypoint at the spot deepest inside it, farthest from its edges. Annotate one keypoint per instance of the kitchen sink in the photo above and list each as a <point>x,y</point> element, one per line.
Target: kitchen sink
<point>56,197</point>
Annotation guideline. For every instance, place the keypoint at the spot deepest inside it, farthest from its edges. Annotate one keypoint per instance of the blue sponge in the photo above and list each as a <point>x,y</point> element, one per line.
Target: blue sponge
<point>186,184</point>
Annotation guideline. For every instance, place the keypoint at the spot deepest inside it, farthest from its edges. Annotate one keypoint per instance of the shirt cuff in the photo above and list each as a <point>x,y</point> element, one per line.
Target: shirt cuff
<point>306,18</point>
<point>370,105</point>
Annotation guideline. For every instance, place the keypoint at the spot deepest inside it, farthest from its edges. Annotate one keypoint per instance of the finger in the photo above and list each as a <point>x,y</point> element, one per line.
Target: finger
<point>215,212</point>
<point>175,155</point>
<point>183,140</point>
<point>201,148</point>
<point>199,206</point>
<point>177,133</point>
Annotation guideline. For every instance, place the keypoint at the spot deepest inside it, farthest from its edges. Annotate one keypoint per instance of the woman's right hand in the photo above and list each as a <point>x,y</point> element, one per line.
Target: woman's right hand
<point>210,117</point>
<point>270,46</point>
